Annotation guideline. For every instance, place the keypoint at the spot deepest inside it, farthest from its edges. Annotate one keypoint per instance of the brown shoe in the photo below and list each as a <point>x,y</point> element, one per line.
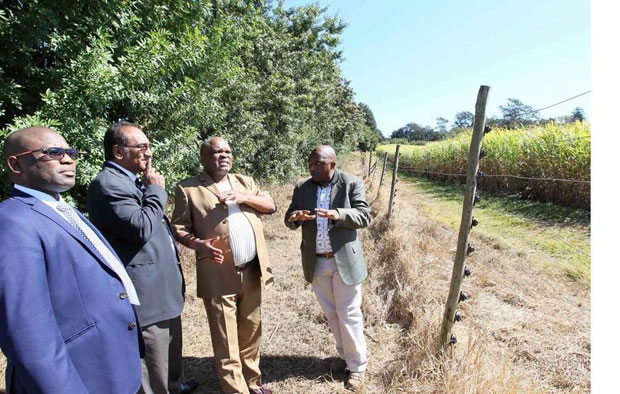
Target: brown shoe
<point>337,365</point>
<point>354,381</point>
<point>260,390</point>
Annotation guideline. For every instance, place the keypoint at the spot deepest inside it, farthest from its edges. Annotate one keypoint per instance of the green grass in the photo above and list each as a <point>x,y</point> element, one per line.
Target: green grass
<point>553,237</point>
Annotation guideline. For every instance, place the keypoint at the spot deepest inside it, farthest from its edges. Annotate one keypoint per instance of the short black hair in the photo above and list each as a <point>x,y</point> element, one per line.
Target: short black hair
<point>114,136</point>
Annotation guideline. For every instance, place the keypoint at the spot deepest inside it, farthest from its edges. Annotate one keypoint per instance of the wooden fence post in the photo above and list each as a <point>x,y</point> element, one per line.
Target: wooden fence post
<point>369,161</point>
<point>454,296</point>
<point>364,165</point>
<point>394,180</point>
<point>383,170</point>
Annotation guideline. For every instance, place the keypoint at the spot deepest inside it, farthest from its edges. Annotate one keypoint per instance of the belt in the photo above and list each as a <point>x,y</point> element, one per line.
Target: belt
<point>327,255</point>
<point>244,266</point>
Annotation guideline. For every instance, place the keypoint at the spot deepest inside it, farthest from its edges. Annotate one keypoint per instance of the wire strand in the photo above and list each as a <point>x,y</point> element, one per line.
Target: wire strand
<point>411,169</point>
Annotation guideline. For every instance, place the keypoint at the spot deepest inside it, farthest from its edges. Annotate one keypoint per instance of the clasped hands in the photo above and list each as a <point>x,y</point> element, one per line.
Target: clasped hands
<point>304,214</point>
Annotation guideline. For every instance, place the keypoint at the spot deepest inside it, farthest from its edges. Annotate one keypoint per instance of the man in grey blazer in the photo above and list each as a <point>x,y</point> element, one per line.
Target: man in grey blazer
<point>130,213</point>
<point>330,206</point>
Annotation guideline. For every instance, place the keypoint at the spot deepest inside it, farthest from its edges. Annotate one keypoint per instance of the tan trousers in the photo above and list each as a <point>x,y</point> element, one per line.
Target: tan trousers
<point>162,365</point>
<point>235,325</point>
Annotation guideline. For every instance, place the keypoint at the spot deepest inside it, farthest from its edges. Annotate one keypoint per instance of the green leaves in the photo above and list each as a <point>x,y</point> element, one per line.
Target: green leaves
<point>266,78</point>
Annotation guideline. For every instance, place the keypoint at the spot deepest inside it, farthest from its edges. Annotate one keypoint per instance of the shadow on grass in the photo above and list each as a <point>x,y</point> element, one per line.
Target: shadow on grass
<point>273,368</point>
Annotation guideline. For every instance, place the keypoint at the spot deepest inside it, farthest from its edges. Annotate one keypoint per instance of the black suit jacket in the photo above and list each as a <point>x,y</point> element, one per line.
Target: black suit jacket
<point>135,224</point>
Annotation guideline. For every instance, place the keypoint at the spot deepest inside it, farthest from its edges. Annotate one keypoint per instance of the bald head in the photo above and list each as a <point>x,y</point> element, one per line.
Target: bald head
<point>34,168</point>
<point>23,140</point>
<point>325,151</point>
<point>322,164</point>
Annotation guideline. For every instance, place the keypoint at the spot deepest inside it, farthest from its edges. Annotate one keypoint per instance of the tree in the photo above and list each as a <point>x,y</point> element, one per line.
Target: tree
<point>516,113</point>
<point>577,115</point>
<point>463,120</point>
<point>442,125</point>
<point>415,132</point>
<point>371,137</point>
<point>265,77</point>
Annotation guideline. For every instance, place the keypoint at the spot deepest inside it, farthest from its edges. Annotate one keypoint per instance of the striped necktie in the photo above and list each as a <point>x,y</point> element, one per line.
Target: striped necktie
<point>89,235</point>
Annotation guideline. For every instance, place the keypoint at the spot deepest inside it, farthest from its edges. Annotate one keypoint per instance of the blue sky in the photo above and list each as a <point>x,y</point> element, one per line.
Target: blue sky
<point>414,60</point>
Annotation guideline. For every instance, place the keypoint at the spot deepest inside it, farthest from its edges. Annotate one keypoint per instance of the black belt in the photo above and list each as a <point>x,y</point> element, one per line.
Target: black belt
<point>246,265</point>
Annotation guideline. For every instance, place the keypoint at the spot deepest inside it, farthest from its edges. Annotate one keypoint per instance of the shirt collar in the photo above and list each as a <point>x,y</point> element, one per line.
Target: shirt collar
<point>44,197</point>
<point>128,173</point>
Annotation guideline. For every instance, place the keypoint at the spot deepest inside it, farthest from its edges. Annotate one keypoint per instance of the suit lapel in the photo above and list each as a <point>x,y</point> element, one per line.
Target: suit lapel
<point>207,181</point>
<point>336,185</point>
<point>48,212</point>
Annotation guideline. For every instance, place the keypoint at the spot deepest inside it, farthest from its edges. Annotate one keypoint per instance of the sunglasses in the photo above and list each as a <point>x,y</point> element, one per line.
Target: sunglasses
<point>54,152</point>
<point>142,147</point>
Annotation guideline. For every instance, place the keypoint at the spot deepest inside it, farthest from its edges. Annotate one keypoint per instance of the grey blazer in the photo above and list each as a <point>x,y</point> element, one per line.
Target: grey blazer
<point>347,197</point>
<point>135,225</point>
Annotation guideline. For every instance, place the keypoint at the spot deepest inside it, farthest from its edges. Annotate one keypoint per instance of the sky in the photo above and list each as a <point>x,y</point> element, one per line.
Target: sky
<point>417,60</point>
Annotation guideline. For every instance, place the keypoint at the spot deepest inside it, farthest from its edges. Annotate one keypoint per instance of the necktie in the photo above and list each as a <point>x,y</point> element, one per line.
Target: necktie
<point>140,185</point>
<point>89,235</point>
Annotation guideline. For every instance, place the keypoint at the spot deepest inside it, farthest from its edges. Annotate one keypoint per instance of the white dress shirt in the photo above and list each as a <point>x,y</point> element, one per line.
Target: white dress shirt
<point>323,243</point>
<point>240,231</point>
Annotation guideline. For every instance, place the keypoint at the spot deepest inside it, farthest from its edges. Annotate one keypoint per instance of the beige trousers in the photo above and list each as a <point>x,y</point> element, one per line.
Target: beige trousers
<point>235,325</point>
<point>342,306</point>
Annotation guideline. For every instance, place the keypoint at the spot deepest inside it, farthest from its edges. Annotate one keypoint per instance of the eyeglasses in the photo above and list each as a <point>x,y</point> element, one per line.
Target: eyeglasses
<point>141,147</point>
<point>54,152</point>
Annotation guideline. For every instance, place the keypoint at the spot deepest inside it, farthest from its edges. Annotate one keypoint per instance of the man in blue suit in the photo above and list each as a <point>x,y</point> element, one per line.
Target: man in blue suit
<point>67,324</point>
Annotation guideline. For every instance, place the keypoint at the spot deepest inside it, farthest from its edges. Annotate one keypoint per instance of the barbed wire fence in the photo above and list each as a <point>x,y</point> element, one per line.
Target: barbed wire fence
<point>473,176</point>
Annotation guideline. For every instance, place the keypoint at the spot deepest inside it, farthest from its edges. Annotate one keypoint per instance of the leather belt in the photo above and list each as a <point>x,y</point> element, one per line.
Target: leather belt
<point>327,255</point>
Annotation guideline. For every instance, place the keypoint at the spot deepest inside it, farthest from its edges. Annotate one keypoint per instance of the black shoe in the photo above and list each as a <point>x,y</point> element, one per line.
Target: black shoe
<point>188,387</point>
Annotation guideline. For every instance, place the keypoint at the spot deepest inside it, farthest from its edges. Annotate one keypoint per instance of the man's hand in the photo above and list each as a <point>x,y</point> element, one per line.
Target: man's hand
<point>234,197</point>
<point>205,247</point>
<point>152,177</point>
<point>301,216</point>
<point>328,213</point>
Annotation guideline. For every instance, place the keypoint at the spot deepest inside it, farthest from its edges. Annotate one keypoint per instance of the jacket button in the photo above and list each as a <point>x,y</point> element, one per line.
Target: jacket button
<point>131,326</point>
<point>122,296</point>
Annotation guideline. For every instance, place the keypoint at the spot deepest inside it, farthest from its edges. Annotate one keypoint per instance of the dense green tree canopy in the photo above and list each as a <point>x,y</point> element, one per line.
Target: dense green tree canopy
<point>263,76</point>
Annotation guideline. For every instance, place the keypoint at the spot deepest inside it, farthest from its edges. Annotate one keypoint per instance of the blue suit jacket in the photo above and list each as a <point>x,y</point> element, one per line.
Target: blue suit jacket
<point>64,327</point>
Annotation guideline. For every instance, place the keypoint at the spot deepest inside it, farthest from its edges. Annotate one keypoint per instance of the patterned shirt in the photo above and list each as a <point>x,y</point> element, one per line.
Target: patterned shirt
<point>323,243</point>
<point>240,231</point>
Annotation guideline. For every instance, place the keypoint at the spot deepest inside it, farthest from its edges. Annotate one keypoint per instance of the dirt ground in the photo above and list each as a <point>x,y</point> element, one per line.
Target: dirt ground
<point>535,326</point>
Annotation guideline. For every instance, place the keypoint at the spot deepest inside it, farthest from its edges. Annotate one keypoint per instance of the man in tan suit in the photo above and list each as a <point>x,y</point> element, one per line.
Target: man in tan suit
<point>218,215</point>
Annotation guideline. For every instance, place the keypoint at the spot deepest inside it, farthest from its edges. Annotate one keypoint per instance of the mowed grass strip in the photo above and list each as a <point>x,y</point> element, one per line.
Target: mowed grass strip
<point>554,237</point>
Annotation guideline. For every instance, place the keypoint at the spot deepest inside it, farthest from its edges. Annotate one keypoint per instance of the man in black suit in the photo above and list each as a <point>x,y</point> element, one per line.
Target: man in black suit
<point>130,213</point>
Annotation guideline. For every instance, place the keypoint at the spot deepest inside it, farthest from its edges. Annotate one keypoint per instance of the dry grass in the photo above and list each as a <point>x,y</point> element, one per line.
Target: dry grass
<point>522,332</point>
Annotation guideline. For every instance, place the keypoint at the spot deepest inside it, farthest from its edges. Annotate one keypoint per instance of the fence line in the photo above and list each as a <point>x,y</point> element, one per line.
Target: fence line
<point>411,169</point>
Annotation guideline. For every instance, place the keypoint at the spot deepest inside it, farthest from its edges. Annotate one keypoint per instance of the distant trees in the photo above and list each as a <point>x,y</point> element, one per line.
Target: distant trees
<point>370,135</point>
<point>463,119</point>
<point>442,124</point>
<point>514,114</point>
<point>577,115</point>
<point>415,132</point>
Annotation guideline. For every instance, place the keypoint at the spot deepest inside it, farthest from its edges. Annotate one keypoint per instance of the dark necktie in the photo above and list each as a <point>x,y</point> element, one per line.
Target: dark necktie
<point>140,185</point>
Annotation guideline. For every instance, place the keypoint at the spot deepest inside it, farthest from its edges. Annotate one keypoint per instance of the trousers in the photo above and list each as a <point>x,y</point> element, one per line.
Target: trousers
<point>162,365</point>
<point>235,326</point>
<point>342,303</point>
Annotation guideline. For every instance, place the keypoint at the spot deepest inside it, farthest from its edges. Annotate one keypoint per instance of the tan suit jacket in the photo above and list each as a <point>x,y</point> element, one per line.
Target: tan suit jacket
<point>198,211</point>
